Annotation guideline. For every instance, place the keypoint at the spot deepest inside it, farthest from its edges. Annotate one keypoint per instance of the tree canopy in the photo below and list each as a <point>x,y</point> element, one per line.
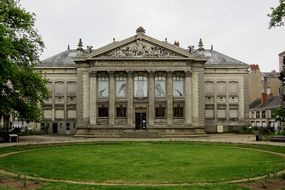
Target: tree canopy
<point>22,88</point>
<point>277,16</point>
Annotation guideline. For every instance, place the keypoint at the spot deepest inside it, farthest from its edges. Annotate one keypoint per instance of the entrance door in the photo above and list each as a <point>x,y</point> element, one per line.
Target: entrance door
<point>54,128</point>
<point>141,120</point>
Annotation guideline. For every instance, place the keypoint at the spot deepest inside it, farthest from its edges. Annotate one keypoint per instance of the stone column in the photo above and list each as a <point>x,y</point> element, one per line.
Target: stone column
<point>151,107</point>
<point>111,99</point>
<point>188,106</point>
<point>130,90</point>
<point>169,99</point>
<point>93,98</point>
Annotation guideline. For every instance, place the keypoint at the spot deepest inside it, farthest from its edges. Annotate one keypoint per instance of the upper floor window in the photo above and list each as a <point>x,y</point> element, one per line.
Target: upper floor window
<point>263,114</point>
<point>121,87</point>
<point>103,86</point>
<point>160,86</point>
<point>178,83</point>
<point>140,86</point>
<point>257,114</point>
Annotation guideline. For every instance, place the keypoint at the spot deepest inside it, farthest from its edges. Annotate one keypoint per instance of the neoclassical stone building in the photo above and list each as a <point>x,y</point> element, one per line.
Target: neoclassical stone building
<point>140,83</point>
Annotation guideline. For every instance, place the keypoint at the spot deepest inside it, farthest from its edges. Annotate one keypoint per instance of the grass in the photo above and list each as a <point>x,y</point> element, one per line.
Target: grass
<point>144,162</point>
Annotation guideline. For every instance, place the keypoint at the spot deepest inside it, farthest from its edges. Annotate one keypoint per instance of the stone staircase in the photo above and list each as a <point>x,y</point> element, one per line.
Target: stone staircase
<point>140,134</point>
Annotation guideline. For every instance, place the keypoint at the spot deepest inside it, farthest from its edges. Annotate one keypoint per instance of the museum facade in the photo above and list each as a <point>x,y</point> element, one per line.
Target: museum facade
<point>141,83</point>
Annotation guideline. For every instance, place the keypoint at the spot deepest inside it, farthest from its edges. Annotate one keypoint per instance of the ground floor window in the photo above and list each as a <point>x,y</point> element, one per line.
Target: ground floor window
<point>103,112</point>
<point>178,110</point>
<point>160,111</point>
<point>67,126</point>
<point>121,111</point>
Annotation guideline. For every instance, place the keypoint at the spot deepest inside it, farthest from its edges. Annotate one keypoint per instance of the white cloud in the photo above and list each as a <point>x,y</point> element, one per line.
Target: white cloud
<point>236,28</point>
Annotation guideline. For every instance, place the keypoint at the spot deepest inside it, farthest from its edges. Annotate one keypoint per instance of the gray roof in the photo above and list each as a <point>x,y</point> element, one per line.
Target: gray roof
<point>63,59</point>
<point>271,74</point>
<point>219,58</point>
<point>272,102</point>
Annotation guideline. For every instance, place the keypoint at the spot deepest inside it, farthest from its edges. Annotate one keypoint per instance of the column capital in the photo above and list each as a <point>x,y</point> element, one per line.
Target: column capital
<point>151,72</point>
<point>93,74</point>
<point>169,73</point>
<point>111,73</point>
<point>130,72</point>
<point>188,73</point>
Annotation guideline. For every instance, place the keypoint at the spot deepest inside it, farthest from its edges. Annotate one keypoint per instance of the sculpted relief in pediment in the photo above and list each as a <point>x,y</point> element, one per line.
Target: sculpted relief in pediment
<point>140,48</point>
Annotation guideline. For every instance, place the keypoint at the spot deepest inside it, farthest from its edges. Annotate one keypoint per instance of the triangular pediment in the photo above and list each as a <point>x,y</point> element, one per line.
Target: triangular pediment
<point>140,46</point>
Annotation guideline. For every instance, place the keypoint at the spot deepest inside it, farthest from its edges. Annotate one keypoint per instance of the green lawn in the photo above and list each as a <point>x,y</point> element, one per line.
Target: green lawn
<point>144,162</point>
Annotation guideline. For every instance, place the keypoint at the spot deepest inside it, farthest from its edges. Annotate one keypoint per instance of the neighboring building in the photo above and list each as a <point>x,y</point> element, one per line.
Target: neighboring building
<point>260,82</point>
<point>260,111</point>
<point>281,61</point>
<point>142,81</point>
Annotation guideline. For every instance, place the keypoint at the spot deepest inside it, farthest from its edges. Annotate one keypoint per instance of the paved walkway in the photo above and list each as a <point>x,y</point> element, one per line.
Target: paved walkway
<point>225,137</point>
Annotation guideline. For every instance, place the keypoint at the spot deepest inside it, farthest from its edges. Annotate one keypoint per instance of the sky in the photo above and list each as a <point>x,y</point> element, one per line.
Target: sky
<point>238,29</point>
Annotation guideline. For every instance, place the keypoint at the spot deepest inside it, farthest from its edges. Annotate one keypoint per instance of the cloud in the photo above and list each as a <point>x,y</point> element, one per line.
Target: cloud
<point>236,28</point>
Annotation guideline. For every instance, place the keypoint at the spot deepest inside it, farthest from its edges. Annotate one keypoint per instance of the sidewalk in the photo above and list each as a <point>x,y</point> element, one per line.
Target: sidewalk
<point>225,137</point>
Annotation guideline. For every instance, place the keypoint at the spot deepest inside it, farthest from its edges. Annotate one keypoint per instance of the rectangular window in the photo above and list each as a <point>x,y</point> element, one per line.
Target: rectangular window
<point>121,111</point>
<point>67,126</point>
<point>103,85</point>
<point>263,114</point>
<point>178,86</point>
<point>160,111</point>
<point>209,111</point>
<point>221,111</point>
<point>103,112</point>
<point>257,114</point>
<point>160,86</point>
<point>252,115</point>
<point>121,87</point>
<point>140,86</point>
<point>178,111</point>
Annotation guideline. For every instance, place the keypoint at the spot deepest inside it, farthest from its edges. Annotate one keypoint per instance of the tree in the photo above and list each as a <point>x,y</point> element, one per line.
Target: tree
<point>22,88</point>
<point>277,15</point>
<point>279,115</point>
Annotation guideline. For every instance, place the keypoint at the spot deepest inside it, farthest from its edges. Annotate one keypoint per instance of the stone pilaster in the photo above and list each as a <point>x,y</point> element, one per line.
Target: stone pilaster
<point>93,98</point>
<point>111,98</point>
<point>65,102</point>
<point>53,102</point>
<point>241,99</point>
<point>246,96</point>
<point>130,90</point>
<point>86,98</point>
<point>79,98</point>
<point>169,98</point>
<point>188,104</point>
<point>198,96</point>
<point>151,100</point>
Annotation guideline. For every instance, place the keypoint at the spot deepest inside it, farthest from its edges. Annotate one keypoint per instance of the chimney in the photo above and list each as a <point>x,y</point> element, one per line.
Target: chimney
<point>263,97</point>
